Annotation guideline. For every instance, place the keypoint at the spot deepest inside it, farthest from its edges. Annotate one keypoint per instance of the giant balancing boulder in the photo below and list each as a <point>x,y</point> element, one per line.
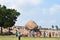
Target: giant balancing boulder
<point>31,25</point>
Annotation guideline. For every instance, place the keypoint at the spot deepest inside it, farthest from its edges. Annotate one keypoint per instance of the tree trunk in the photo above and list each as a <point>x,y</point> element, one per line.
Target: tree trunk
<point>9,29</point>
<point>1,30</point>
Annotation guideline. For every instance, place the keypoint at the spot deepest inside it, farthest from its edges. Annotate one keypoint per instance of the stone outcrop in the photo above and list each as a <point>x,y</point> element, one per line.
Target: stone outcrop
<point>31,25</point>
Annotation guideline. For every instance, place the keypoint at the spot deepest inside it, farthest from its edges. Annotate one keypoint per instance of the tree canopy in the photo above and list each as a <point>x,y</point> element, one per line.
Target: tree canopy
<point>57,27</point>
<point>8,17</point>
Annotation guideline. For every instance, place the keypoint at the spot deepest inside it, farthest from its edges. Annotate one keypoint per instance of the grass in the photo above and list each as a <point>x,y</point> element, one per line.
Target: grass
<point>26,38</point>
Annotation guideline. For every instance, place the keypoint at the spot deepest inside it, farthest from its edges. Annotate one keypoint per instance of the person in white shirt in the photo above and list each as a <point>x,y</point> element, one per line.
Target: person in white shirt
<point>19,36</point>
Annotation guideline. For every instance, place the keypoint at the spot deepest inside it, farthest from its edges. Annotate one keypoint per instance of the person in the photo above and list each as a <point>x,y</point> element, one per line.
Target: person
<point>19,36</point>
<point>44,34</point>
<point>16,33</point>
<point>49,34</point>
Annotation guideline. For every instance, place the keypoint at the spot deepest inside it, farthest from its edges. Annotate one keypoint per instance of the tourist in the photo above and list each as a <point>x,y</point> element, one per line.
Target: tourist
<point>19,35</point>
<point>16,33</point>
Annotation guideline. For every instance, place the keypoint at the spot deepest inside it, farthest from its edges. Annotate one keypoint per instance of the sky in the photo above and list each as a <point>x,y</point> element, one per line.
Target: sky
<point>44,12</point>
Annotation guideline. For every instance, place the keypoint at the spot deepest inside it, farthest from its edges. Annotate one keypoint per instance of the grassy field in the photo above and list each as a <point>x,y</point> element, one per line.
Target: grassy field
<point>26,38</point>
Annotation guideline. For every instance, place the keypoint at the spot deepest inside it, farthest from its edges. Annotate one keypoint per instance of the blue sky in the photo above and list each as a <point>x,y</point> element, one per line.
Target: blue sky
<point>43,12</point>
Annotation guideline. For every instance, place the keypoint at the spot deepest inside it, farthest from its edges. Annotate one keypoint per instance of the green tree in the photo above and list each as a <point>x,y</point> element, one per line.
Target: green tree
<point>8,17</point>
<point>56,27</point>
<point>2,11</point>
<point>52,26</point>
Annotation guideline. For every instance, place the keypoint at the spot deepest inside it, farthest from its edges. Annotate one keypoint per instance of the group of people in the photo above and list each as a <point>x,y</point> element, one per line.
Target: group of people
<point>34,34</point>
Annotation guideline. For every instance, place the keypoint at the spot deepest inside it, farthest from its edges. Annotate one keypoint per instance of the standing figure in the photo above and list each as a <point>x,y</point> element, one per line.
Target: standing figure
<point>16,33</point>
<point>19,36</point>
<point>49,34</point>
<point>44,34</point>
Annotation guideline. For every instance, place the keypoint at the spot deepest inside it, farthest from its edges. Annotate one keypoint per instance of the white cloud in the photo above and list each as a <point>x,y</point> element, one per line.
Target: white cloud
<point>52,21</point>
<point>35,2</point>
<point>42,21</point>
<point>52,10</point>
<point>21,2</point>
<point>3,2</point>
<point>18,4</point>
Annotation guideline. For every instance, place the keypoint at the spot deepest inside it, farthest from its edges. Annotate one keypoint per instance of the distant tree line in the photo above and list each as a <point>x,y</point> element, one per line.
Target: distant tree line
<point>56,26</point>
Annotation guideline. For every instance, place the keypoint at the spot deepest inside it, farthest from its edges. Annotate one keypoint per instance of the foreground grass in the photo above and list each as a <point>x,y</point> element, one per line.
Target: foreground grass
<point>26,38</point>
